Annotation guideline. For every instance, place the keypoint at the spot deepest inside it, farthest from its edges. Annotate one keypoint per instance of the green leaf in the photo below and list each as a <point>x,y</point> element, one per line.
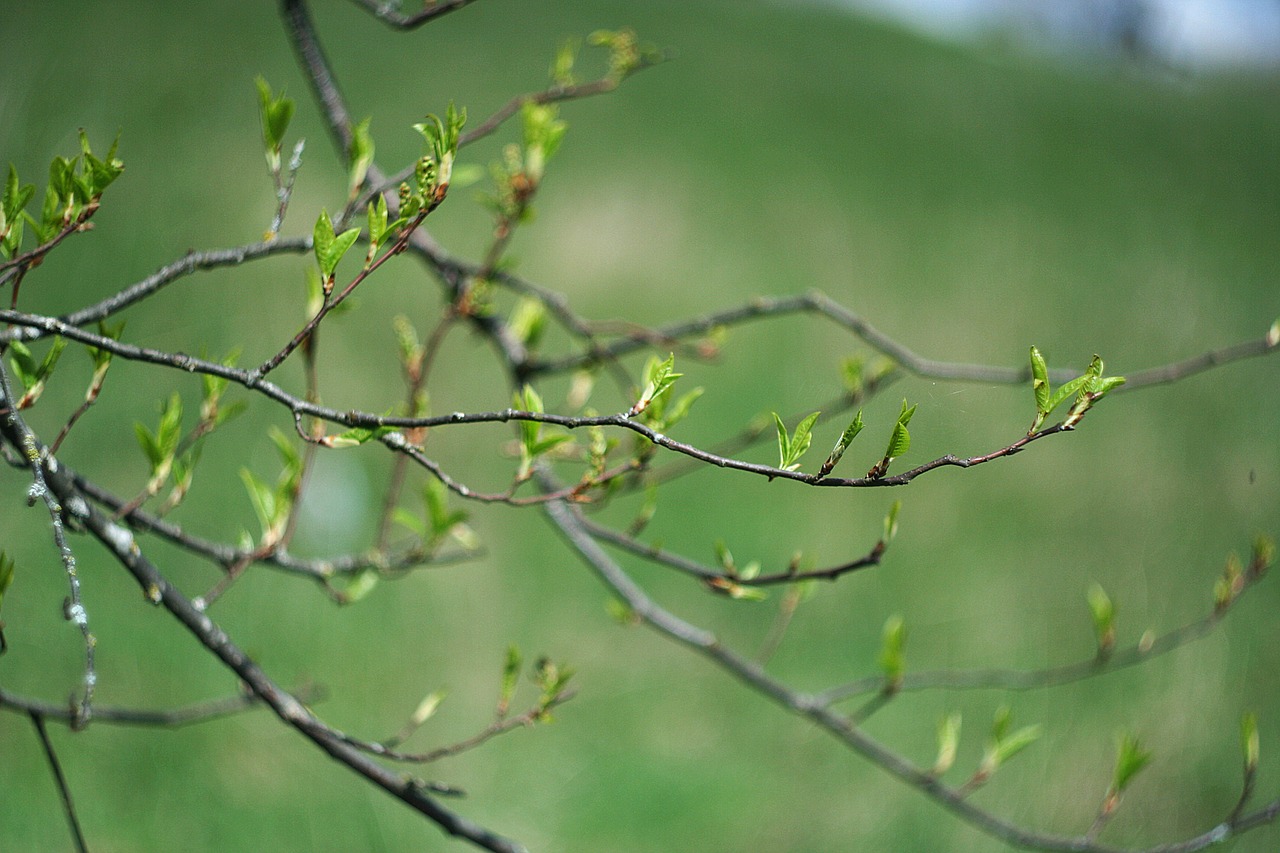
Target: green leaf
<point>802,437</point>
<point>510,678</point>
<point>851,372</point>
<point>1130,759</point>
<point>528,321</point>
<point>891,522</point>
<point>1015,743</point>
<point>680,409</point>
<point>275,112</point>
<point>1103,612</point>
<point>784,440</point>
<point>359,586</point>
<point>360,156</point>
<point>330,246</point>
<point>1068,389</point>
<point>1248,729</point>
<point>899,442</point>
<point>356,436</point>
<point>723,556</point>
<point>99,174</point>
<point>659,376</point>
<point>900,439</point>
<point>948,743</point>
<point>377,222</point>
<point>322,240</point>
<point>1040,387</point>
<point>263,498</point>
<point>427,708</point>
<point>842,444</point>
<point>891,658</point>
<point>791,448</point>
<point>23,364</point>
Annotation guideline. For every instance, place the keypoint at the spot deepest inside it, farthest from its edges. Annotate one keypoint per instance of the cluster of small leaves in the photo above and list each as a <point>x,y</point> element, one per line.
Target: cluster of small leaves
<point>1088,388</point>
<point>1003,744</point>
<point>74,189</point>
<point>552,680</point>
<point>161,446</point>
<point>31,373</point>
<point>792,446</point>
<point>519,174</point>
<point>275,111</point>
<point>533,443</point>
<point>1131,758</point>
<point>626,54</point>
<point>273,503</point>
<point>439,522</point>
<point>857,375</point>
<point>659,378</point>
<point>1236,576</point>
<point>730,584</point>
<point>435,168</point>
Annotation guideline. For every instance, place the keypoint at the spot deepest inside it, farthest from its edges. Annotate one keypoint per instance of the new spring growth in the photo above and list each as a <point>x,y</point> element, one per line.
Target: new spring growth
<point>1089,388</point>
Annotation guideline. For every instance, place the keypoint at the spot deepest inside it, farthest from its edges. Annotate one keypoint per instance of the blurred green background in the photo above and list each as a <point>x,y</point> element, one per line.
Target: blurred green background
<point>967,201</point>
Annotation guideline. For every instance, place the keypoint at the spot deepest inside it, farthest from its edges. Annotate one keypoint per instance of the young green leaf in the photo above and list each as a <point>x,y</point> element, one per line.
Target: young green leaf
<point>562,65</point>
<point>34,376</point>
<point>948,743</point>
<point>360,156</point>
<point>330,246</point>
<point>659,377</point>
<point>275,112</point>
<point>355,436</point>
<point>893,641</point>
<point>359,586</point>
<point>1131,757</point>
<point>528,321</point>
<point>899,442</point>
<point>792,447</point>
<point>842,444</point>
<point>510,678</point>
<point>1249,745</point>
<point>1003,745</point>
<point>891,523</point>
<point>1103,612</point>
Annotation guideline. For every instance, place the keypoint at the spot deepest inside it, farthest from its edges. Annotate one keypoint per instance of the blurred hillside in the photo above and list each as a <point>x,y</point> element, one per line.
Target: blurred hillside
<point>969,202</point>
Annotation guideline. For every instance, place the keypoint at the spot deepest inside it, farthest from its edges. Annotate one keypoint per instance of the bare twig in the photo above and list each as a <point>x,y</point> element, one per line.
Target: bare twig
<point>64,792</point>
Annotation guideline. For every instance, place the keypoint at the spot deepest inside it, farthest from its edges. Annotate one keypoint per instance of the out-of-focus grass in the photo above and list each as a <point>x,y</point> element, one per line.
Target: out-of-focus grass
<point>968,202</point>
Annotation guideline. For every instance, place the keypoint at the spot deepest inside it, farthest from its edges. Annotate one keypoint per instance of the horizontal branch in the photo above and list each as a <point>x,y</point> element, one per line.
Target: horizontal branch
<point>174,718</point>
<point>717,578</point>
<point>152,284</point>
<point>1144,650</point>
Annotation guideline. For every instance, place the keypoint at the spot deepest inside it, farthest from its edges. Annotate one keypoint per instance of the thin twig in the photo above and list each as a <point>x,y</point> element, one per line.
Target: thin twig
<point>64,792</point>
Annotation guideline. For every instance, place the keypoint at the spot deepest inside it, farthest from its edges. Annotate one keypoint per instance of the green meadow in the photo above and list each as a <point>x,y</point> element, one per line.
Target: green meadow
<point>969,202</point>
